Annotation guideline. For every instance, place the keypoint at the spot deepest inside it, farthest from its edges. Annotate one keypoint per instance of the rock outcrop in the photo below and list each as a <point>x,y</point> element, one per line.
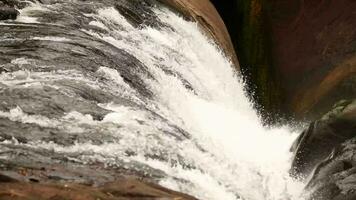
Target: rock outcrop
<point>326,154</point>
<point>322,136</point>
<point>299,56</point>
<point>321,55</point>
<point>57,74</point>
<point>334,177</point>
<point>248,25</point>
<point>8,10</point>
<point>8,13</point>
<point>204,12</point>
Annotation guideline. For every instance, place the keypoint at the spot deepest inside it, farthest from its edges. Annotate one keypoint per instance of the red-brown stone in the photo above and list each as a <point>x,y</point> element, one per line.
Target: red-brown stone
<point>123,189</point>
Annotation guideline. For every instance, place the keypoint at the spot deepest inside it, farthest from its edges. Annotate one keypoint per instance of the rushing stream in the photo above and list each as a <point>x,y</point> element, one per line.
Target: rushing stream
<point>170,106</point>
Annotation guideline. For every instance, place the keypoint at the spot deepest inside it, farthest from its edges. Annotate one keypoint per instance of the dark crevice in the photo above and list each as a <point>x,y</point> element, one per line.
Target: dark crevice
<point>249,26</point>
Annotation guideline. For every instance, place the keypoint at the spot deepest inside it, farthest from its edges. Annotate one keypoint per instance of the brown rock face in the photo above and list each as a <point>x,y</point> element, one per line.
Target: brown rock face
<point>204,12</point>
<point>299,55</point>
<point>315,50</point>
<point>120,190</point>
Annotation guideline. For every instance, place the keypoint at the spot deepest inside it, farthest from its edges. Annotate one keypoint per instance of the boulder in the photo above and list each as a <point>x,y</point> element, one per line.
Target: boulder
<point>16,3</point>
<point>299,56</point>
<point>322,136</point>
<point>8,13</point>
<point>325,155</point>
<point>334,178</point>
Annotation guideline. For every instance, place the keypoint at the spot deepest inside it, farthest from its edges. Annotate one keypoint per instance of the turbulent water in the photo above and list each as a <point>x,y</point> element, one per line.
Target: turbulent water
<point>181,114</point>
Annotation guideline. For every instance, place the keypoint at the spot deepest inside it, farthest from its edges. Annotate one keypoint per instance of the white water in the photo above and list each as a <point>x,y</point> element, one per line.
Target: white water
<point>241,156</point>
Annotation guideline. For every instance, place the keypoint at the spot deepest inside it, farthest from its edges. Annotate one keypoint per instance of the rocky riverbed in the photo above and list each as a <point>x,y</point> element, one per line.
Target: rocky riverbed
<point>56,83</point>
<point>109,100</point>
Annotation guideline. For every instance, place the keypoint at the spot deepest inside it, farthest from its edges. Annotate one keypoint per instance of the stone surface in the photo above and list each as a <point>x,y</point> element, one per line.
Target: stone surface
<point>298,56</point>
<point>123,189</point>
<point>8,13</point>
<point>206,15</point>
<point>334,178</point>
<point>322,136</point>
<point>58,84</point>
<point>325,155</point>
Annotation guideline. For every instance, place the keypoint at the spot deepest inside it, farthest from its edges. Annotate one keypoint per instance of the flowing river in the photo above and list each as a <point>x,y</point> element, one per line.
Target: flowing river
<point>168,103</point>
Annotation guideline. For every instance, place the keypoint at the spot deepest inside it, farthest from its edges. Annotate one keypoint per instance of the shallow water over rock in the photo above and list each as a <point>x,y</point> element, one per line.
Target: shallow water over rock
<point>92,91</point>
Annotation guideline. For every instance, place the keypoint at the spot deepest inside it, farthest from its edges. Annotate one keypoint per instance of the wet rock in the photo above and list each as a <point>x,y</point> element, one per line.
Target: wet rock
<point>125,188</point>
<point>50,102</point>
<point>49,167</point>
<point>8,13</point>
<point>15,3</point>
<point>334,177</point>
<point>139,12</point>
<point>209,19</point>
<point>65,135</point>
<point>298,56</point>
<point>6,179</point>
<point>30,171</point>
<point>248,23</point>
<point>66,98</point>
<point>131,188</point>
<point>325,155</point>
<point>322,136</point>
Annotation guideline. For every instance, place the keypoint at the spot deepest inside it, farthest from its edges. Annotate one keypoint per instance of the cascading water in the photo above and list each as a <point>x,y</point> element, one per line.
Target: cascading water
<point>187,118</point>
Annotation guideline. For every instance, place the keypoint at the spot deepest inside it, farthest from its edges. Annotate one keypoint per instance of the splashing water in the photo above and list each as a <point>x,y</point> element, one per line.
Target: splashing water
<point>226,153</point>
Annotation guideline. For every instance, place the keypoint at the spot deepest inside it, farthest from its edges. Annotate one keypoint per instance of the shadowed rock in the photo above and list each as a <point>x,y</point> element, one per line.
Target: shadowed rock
<point>318,141</point>
<point>326,154</point>
<point>299,57</point>
<point>204,12</point>
<point>334,177</point>
<point>8,13</point>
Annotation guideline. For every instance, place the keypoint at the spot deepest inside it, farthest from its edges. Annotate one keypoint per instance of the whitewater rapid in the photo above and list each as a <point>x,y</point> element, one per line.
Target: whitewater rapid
<point>193,123</point>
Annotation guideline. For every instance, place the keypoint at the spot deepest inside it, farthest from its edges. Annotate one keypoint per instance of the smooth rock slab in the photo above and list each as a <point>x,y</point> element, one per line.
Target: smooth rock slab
<point>126,188</point>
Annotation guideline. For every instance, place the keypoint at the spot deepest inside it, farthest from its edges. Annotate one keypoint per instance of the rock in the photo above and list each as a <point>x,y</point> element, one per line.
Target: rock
<point>8,13</point>
<point>129,188</point>
<point>18,4</point>
<point>248,23</point>
<point>325,155</point>
<point>206,15</point>
<point>123,189</point>
<point>139,13</point>
<point>51,102</point>
<point>299,56</point>
<point>318,141</point>
<point>6,179</point>
<point>64,94</point>
<point>334,178</point>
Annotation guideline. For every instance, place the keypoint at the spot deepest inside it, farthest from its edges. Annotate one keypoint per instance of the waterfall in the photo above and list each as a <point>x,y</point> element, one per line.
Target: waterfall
<point>183,117</point>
